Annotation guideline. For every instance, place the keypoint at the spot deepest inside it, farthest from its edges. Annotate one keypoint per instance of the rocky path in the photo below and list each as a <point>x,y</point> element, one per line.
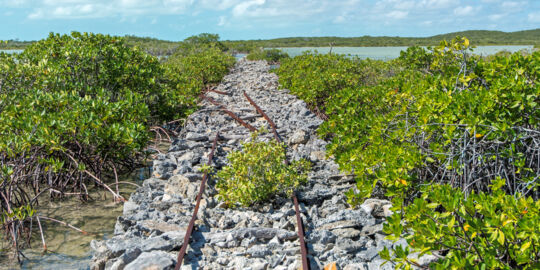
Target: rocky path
<point>150,232</point>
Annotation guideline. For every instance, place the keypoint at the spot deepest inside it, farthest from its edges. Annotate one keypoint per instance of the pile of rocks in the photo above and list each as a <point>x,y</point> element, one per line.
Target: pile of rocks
<point>151,230</point>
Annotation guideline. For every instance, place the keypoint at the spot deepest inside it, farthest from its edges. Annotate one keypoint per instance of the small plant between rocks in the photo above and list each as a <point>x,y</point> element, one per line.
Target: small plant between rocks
<point>258,173</point>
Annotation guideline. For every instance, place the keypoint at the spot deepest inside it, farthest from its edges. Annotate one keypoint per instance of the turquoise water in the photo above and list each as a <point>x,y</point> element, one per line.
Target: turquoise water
<point>12,51</point>
<point>380,53</point>
<point>238,56</point>
<point>386,53</point>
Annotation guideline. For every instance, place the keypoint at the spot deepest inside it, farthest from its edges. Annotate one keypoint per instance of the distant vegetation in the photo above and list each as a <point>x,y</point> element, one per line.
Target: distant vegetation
<point>200,59</point>
<point>158,47</point>
<point>478,37</point>
<point>153,46</point>
<point>270,55</point>
<point>14,45</point>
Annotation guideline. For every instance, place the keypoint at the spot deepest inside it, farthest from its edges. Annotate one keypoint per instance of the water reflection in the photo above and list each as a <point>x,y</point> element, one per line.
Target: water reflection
<point>66,248</point>
<point>387,53</point>
<point>12,51</point>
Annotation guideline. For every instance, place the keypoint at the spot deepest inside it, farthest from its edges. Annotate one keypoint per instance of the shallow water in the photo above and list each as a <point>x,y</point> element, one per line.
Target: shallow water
<point>387,53</point>
<point>12,51</point>
<point>239,56</point>
<point>67,248</point>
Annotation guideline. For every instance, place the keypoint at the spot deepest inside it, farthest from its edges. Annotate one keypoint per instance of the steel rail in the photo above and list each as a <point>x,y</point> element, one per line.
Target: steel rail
<point>261,112</point>
<point>182,252</point>
<point>218,92</point>
<point>231,114</point>
<point>303,249</point>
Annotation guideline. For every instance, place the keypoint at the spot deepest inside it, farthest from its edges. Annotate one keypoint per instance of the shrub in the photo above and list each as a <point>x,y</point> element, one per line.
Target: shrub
<point>89,63</point>
<point>270,55</point>
<point>317,78</point>
<point>200,43</point>
<point>478,122</point>
<point>258,173</point>
<point>464,122</point>
<point>439,116</point>
<point>199,61</point>
<point>206,66</point>
<point>482,231</point>
<point>66,119</point>
<point>74,108</point>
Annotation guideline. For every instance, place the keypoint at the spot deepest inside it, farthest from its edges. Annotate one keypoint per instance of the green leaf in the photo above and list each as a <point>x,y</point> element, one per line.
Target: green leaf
<point>525,246</point>
<point>500,239</point>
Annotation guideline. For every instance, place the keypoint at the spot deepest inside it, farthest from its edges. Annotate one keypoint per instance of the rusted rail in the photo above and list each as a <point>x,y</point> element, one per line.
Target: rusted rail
<point>218,92</point>
<point>182,252</point>
<point>303,249</point>
<point>213,89</point>
<point>261,112</point>
<point>231,114</point>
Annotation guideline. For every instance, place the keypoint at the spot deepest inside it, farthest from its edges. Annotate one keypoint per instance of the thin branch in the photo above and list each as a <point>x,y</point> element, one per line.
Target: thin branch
<point>41,233</point>
<point>64,223</point>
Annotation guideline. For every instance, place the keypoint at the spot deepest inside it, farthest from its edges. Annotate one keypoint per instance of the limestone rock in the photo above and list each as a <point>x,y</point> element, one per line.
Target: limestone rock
<point>376,207</point>
<point>299,137</point>
<point>372,229</point>
<point>180,185</point>
<point>317,156</point>
<point>152,261</point>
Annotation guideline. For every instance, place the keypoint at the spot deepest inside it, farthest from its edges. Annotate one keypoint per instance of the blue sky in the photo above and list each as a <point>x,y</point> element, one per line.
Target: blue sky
<point>255,19</point>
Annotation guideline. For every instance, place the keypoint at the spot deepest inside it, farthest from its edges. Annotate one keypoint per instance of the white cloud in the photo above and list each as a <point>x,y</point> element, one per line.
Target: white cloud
<point>397,14</point>
<point>339,19</point>
<point>360,16</point>
<point>290,9</point>
<point>464,11</point>
<point>256,9</point>
<point>534,17</point>
<point>496,17</point>
<point>248,8</point>
<point>513,6</point>
<point>438,4</point>
<point>404,5</point>
<point>74,9</point>
<point>218,4</point>
<point>419,5</point>
<point>63,2</point>
<point>510,4</point>
<point>37,14</point>
<point>222,21</point>
<point>13,3</point>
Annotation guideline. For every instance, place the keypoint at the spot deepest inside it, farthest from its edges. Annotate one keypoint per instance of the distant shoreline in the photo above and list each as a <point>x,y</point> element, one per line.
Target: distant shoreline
<point>335,46</point>
<point>387,53</point>
<point>394,46</point>
<point>476,37</point>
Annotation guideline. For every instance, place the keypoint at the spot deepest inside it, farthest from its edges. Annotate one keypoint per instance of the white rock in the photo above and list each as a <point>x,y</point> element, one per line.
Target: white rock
<point>299,137</point>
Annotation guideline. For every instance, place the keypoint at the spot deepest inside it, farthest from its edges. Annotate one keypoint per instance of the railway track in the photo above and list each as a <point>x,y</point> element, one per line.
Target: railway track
<point>174,220</point>
<point>300,226</point>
